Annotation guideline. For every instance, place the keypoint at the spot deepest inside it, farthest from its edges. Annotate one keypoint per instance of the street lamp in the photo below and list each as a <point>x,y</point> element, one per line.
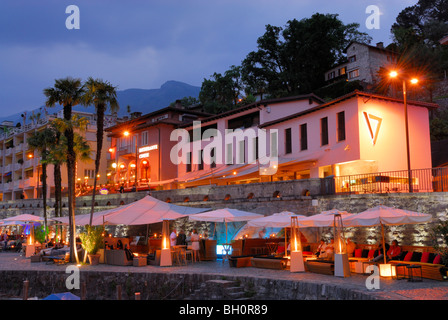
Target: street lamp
<point>394,74</point>
<point>126,134</point>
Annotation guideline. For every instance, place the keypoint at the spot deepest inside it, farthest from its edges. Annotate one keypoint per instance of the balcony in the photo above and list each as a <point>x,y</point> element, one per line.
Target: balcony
<point>7,186</point>
<point>29,163</point>
<point>17,166</point>
<point>28,183</point>
<point>8,168</point>
<point>8,152</point>
<point>16,184</point>
<point>126,150</point>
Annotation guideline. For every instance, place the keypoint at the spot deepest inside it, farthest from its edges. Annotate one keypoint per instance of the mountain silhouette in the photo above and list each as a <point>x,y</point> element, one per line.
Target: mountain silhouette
<point>140,100</point>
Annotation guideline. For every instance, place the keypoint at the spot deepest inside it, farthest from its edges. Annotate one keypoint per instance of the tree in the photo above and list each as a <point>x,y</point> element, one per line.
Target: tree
<point>186,102</point>
<point>41,141</point>
<point>102,95</point>
<point>294,59</point>
<point>68,92</point>
<point>222,92</point>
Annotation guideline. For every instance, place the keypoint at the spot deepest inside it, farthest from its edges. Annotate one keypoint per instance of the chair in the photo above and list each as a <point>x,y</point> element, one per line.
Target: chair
<point>135,241</point>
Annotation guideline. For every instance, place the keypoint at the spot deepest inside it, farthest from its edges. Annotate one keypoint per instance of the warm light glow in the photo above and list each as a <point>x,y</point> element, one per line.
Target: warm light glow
<point>393,74</point>
<point>164,243</point>
<point>132,165</point>
<point>30,156</point>
<point>145,162</point>
<point>387,270</point>
<point>126,133</point>
<point>122,166</point>
<point>86,178</point>
<point>114,165</point>
<point>111,149</point>
<point>414,80</point>
<point>234,172</point>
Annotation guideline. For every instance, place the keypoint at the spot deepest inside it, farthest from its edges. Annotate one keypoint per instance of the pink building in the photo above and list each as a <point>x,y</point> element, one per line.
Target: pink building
<point>305,137</point>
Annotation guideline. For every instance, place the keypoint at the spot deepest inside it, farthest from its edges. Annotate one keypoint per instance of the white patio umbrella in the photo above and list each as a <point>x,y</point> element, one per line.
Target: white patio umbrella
<point>382,215</point>
<point>323,219</point>
<point>147,210</point>
<point>225,215</point>
<point>276,220</point>
<point>27,218</point>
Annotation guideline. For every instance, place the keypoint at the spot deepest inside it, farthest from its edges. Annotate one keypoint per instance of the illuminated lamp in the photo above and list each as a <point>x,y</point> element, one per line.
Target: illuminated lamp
<point>387,270</point>
<point>132,165</point>
<point>114,165</point>
<point>296,262</point>
<point>165,255</point>
<point>341,263</point>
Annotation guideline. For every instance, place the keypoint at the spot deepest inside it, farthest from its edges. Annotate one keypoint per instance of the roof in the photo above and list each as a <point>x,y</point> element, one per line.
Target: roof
<point>371,47</point>
<point>351,95</point>
<point>258,104</point>
<point>137,121</point>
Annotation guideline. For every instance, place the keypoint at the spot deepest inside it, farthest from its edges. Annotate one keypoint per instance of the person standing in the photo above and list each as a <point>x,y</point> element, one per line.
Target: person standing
<point>195,245</point>
<point>173,238</point>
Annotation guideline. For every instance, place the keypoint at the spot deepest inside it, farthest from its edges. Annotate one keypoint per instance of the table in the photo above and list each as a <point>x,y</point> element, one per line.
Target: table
<point>411,269</point>
<point>226,247</point>
<point>400,265</point>
<point>369,263</point>
<point>140,261</point>
<point>176,253</point>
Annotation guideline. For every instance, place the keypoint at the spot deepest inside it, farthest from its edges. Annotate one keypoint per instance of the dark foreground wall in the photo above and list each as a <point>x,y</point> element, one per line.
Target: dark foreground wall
<point>166,286</point>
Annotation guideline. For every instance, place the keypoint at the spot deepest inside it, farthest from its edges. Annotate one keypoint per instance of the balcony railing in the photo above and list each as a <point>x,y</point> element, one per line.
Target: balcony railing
<point>422,180</point>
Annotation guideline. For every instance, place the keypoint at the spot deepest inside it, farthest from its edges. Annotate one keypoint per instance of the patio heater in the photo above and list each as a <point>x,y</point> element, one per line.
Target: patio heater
<point>30,248</point>
<point>296,264</point>
<point>341,263</point>
<point>165,255</point>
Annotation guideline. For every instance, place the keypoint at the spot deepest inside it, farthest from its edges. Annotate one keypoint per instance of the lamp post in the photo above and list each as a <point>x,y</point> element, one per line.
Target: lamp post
<point>394,74</point>
<point>126,133</point>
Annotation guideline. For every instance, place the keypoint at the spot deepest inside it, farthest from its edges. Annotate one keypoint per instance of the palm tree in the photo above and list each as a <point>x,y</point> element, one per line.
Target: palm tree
<point>58,153</point>
<point>41,141</point>
<point>68,92</point>
<point>101,94</point>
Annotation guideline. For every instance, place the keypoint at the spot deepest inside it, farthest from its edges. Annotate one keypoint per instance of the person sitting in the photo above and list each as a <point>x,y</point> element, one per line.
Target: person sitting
<point>119,245</point>
<point>351,246</point>
<point>380,255</point>
<point>394,251</point>
<point>329,251</point>
<point>321,248</point>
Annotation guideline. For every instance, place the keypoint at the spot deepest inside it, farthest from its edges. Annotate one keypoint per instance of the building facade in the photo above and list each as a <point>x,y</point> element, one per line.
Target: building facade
<point>140,149</point>
<point>303,137</point>
<point>21,167</point>
<point>363,63</point>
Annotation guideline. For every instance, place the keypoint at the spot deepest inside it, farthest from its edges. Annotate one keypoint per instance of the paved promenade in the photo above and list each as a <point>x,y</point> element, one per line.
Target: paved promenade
<point>389,288</point>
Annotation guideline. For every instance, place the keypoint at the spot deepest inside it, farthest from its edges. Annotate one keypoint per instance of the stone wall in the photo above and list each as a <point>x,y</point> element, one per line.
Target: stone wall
<point>168,286</point>
<point>267,201</point>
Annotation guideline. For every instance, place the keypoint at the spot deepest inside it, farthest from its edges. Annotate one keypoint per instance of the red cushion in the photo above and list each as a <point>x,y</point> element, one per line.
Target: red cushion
<point>358,253</point>
<point>437,259</point>
<point>280,249</point>
<point>408,256</point>
<point>371,254</point>
<point>307,252</point>
<point>425,257</point>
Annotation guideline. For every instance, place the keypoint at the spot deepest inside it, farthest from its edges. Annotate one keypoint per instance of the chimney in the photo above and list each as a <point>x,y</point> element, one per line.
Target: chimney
<point>179,105</point>
<point>380,45</point>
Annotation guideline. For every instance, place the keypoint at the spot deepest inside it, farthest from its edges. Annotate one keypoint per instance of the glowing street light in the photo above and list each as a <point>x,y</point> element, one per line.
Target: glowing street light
<point>394,74</point>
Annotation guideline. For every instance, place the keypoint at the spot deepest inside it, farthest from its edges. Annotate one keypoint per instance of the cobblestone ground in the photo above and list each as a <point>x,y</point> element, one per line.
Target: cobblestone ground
<point>389,288</point>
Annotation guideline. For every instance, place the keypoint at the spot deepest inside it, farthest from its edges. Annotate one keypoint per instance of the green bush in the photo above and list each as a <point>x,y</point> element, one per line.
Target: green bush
<point>92,240</point>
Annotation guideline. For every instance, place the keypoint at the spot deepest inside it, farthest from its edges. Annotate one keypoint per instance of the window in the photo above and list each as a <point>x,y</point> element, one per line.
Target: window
<point>274,144</point>
<point>213,158</point>
<point>89,173</point>
<point>201,160</point>
<point>255,148</point>
<point>288,142</point>
<point>352,58</point>
<point>324,131</point>
<point>331,75</point>
<point>243,122</point>
<point>342,71</point>
<point>144,138</point>
<point>188,162</point>
<point>229,153</point>
<point>341,126</point>
<point>353,74</point>
<point>241,151</point>
<point>303,137</point>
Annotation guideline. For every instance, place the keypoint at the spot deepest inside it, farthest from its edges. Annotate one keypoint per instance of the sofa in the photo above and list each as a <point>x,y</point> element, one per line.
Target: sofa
<point>269,262</point>
<point>426,257</point>
<point>117,258</point>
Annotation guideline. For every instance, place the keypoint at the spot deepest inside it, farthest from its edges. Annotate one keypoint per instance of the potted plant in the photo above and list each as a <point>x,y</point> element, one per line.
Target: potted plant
<point>440,241</point>
<point>91,241</point>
